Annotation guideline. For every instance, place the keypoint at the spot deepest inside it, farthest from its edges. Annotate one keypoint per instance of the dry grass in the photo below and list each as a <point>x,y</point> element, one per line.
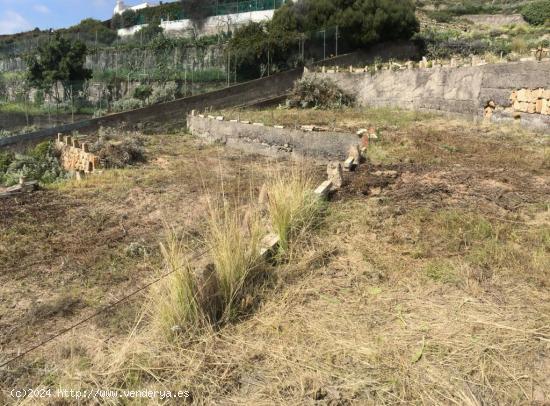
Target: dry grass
<point>293,207</point>
<point>434,291</point>
<point>234,241</point>
<point>175,304</point>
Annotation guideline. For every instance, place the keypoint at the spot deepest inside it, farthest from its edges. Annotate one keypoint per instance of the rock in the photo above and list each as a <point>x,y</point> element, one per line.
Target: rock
<point>355,153</point>
<point>324,188</point>
<point>361,132</point>
<point>335,175</point>
<point>349,164</point>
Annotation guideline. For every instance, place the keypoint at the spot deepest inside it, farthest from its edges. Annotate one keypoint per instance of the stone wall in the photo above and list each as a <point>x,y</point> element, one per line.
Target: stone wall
<point>466,90</point>
<point>272,141</point>
<point>75,157</point>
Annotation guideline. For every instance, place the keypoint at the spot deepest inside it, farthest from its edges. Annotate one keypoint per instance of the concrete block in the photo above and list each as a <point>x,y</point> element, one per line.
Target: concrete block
<point>245,122</point>
<point>201,115</point>
<point>308,128</point>
<point>234,121</point>
<point>219,118</point>
<point>259,124</point>
<point>324,189</point>
<point>279,126</point>
<point>192,113</point>
<point>269,244</point>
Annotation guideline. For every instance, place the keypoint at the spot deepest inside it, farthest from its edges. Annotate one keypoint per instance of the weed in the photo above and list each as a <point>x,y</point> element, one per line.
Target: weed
<point>175,305</point>
<point>234,242</point>
<point>293,207</point>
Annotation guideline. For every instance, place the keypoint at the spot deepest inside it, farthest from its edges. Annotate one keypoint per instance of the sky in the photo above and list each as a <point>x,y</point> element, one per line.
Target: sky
<point>23,15</point>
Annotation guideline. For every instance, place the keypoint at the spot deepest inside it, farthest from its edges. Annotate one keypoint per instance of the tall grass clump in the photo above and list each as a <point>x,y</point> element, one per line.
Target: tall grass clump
<point>175,300</point>
<point>234,240</point>
<point>293,206</point>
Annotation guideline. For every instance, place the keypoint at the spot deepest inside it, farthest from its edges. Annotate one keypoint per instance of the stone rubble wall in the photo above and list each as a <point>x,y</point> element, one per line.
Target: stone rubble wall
<point>75,157</point>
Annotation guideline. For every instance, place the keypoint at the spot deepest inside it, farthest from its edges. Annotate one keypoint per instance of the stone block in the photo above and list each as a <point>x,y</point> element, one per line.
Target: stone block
<point>335,174</point>
<point>324,189</point>
<point>538,93</point>
<point>219,118</point>
<point>538,106</point>
<point>531,108</point>
<point>279,126</point>
<point>259,124</point>
<point>85,147</point>
<point>522,95</point>
<point>233,121</point>
<point>245,122</point>
<point>545,108</point>
<point>349,164</point>
<point>513,97</point>
<point>269,244</point>
<point>201,115</point>
<point>546,94</point>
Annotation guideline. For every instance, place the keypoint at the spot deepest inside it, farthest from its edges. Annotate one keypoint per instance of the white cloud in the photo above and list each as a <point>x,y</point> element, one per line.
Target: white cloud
<point>12,22</point>
<point>41,8</point>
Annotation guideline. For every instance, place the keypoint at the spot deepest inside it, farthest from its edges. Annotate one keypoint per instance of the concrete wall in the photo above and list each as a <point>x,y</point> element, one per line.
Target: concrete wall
<point>246,93</point>
<point>464,90</point>
<point>212,25</point>
<point>273,141</point>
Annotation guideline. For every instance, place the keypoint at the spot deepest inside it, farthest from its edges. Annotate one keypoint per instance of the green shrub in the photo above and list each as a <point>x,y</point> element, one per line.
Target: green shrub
<point>126,104</point>
<point>143,92</point>
<point>40,163</point>
<point>537,12</point>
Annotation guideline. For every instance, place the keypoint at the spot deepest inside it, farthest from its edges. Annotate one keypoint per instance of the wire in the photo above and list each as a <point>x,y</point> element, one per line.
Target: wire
<point>103,310</point>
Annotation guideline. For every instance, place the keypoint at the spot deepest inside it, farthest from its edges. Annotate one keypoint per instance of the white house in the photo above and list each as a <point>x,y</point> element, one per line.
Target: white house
<point>121,7</point>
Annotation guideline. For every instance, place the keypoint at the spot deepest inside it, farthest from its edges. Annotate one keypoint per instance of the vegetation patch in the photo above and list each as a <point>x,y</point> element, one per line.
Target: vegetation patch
<point>313,92</point>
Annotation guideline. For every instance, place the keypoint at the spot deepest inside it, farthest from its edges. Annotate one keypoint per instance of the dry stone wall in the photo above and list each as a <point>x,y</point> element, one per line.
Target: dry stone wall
<point>466,90</point>
<point>75,157</point>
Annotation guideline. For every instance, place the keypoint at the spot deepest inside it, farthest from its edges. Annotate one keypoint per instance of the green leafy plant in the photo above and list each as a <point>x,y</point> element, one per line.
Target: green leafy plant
<point>536,12</point>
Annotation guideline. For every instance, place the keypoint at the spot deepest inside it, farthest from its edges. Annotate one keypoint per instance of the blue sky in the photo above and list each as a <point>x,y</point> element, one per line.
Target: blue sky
<point>23,15</point>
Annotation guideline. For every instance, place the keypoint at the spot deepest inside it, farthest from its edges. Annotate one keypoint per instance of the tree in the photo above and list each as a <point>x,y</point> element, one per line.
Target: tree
<point>129,18</point>
<point>198,10</point>
<point>59,61</point>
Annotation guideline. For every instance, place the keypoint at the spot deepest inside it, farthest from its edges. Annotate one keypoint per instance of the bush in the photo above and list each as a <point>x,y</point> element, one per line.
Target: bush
<point>537,12</point>
<point>119,154</point>
<point>166,93</point>
<point>143,92</point>
<point>126,104</point>
<point>519,46</point>
<point>40,163</point>
<point>312,92</point>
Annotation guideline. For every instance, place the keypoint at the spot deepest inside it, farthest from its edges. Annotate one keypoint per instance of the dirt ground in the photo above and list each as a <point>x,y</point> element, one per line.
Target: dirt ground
<point>427,282</point>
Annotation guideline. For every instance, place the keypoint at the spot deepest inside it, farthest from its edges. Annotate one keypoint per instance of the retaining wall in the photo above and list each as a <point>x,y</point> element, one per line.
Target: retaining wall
<point>243,94</point>
<point>272,141</point>
<point>466,90</point>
